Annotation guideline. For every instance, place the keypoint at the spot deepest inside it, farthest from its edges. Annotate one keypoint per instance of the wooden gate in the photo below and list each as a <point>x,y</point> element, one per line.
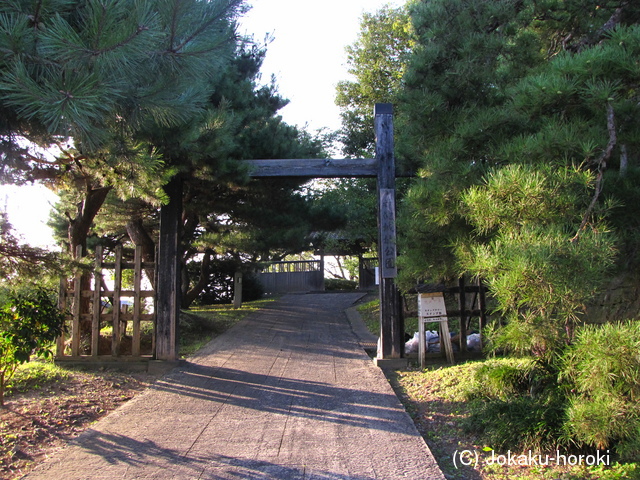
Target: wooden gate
<point>108,323</point>
<point>382,167</point>
<point>293,276</point>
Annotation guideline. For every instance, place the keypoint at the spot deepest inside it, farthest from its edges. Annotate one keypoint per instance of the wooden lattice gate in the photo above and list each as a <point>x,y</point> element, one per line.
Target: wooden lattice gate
<point>109,323</point>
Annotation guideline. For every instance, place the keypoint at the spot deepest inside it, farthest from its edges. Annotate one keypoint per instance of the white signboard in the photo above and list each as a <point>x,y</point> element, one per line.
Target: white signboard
<point>431,306</point>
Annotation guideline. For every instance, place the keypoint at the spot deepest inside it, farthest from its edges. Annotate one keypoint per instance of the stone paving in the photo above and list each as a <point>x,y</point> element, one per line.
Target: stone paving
<point>288,393</point>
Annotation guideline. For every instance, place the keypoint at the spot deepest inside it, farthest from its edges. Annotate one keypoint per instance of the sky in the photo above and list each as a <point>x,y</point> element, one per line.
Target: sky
<point>307,56</point>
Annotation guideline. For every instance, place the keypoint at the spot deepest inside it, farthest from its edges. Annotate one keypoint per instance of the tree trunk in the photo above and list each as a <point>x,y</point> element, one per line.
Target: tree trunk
<point>78,232</point>
<point>87,210</point>
<point>624,161</point>
<point>205,270</point>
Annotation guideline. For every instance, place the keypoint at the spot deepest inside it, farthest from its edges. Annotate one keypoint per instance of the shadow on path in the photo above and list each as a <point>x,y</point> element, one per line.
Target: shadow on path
<point>300,398</point>
<point>116,449</point>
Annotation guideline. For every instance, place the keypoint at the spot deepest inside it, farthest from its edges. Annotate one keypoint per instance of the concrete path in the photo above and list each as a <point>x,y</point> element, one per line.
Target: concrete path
<point>285,394</point>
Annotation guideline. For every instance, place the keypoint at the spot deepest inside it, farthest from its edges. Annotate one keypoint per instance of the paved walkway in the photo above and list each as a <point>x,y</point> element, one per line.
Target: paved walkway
<point>285,394</point>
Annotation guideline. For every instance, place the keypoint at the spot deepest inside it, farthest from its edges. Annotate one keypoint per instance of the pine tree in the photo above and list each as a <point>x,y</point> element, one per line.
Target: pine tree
<point>518,112</point>
<point>87,76</point>
<point>227,219</point>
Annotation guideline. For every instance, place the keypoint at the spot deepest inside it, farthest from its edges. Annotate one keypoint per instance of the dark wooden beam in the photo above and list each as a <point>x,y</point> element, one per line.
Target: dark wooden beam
<point>313,168</point>
<point>168,274</point>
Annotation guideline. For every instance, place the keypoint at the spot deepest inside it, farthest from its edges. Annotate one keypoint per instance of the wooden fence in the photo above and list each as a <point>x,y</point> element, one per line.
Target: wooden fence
<point>95,307</point>
<point>295,276</point>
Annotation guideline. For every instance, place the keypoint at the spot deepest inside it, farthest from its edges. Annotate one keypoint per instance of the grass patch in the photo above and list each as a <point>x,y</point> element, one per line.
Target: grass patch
<point>199,325</point>
<point>370,313</point>
<point>35,374</point>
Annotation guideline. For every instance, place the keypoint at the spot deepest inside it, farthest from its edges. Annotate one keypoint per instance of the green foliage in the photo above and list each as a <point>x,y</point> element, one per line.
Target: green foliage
<point>75,69</point>
<point>541,288</point>
<point>29,322</point>
<point>604,367</point>
<point>220,288</point>
<point>370,313</point>
<point>92,79</point>
<point>21,261</point>
<point>356,200</point>
<point>587,399</point>
<point>457,395</point>
<point>505,378</point>
<point>515,403</point>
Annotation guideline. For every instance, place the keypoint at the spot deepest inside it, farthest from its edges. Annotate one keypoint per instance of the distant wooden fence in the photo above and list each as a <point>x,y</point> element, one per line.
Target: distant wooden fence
<point>295,276</point>
<point>94,308</point>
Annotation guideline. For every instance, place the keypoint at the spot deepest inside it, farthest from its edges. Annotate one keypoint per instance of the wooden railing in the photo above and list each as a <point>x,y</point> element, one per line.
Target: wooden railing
<point>96,307</point>
<point>293,266</point>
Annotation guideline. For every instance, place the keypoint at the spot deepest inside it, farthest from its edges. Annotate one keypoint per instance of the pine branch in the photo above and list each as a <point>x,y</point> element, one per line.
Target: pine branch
<point>601,165</point>
<point>590,40</point>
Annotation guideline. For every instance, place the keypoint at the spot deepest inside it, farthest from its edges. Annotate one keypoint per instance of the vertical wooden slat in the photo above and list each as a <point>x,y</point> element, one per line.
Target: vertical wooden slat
<point>483,310</point>
<point>62,305</point>
<point>463,314</point>
<point>117,288</point>
<point>77,298</point>
<point>137,300</point>
<point>155,303</point>
<point>95,320</point>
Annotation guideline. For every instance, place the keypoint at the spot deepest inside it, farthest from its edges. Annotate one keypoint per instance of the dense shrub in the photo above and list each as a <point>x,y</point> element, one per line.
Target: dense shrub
<point>515,403</point>
<point>523,422</point>
<point>331,284</point>
<point>505,378</point>
<point>29,323</point>
<point>588,398</point>
<point>603,367</point>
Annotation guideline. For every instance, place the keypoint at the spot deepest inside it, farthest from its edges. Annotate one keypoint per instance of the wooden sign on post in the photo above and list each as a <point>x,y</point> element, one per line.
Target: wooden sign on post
<point>388,233</point>
<point>431,308</point>
<point>431,305</point>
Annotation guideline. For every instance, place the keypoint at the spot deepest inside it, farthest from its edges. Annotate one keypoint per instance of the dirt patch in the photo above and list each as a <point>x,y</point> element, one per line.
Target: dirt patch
<point>35,424</point>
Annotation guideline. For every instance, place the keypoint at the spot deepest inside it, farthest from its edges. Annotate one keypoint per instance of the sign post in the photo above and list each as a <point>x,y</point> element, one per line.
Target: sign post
<point>431,308</point>
<point>391,341</point>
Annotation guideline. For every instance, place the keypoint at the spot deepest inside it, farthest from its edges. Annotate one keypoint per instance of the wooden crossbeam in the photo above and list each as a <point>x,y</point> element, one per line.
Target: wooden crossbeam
<point>313,168</point>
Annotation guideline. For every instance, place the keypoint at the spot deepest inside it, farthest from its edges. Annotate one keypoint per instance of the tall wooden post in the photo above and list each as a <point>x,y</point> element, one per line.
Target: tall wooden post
<point>168,274</point>
<point>391,342</point>
<point>237,290</point>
